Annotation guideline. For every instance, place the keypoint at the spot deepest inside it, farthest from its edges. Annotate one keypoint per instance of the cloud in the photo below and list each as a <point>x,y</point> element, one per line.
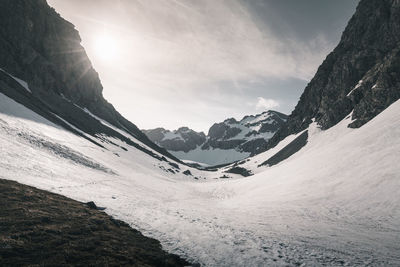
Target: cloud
<point>266,104</point>
<point>199,60</point>
<point>178,44</point>
<point>209,41</point>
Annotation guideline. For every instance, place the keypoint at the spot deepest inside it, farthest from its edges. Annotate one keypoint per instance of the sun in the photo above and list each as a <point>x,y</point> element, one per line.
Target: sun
<point>106,47</point>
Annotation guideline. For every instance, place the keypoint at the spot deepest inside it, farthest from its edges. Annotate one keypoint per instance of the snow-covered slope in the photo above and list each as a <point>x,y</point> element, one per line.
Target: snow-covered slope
<point>334,202</point>
<point>317,198</point>
<point>226,142</point>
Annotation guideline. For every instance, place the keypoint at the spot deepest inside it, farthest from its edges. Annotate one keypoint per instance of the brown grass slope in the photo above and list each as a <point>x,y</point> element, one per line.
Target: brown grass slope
<point>45,229</point>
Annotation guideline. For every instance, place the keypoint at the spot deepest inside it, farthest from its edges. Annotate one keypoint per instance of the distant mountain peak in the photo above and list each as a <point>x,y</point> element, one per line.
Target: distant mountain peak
<point>225,142</point>
<point>230,121</point>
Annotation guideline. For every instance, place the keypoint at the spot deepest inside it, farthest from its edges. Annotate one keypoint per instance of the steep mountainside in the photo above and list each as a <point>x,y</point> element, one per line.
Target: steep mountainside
<point>225,142</point>
<point>42,49</point>
<point>360,76</point>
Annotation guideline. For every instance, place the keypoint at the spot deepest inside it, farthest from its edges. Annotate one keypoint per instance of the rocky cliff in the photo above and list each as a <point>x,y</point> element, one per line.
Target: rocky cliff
<point>44,50</point>
<point>183,139</point>
<point>247,134</point>
<point>360,77</point>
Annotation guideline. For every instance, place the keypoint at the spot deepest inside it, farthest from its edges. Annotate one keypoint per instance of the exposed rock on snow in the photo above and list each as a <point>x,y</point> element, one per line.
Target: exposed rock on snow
<point>288,150</point>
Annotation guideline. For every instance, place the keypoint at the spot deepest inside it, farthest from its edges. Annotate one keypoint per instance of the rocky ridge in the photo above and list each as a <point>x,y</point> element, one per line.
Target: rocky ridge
<point>41,48</point>
<point>359,78</point>
<point>242,138</point>
<point>182,139</point>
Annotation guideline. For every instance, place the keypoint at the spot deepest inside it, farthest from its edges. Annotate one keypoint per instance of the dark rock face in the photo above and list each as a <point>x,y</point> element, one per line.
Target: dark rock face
<point>223,131</point>
<point>253,145</point>
<point>43,49</point>
<point>183,139</point>
<point>187,172</point>
<point>361,75</point>
<point>286,152</point>
<point>39,228</point>
<point>240,170</point>
<point>246,135</point>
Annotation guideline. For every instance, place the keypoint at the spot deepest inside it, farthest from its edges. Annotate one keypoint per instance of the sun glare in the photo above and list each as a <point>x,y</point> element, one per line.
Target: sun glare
<point>106,47</point>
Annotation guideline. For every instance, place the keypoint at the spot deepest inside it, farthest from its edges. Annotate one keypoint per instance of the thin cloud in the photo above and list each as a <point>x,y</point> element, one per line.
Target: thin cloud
<point>266,104</point>
<point>182,44</point>
<point>204,53</point>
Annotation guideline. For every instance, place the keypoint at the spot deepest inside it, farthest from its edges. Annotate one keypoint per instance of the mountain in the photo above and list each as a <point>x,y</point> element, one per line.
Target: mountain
<point>228,141</point>
<point>43,50</point>
<point>324,194</point>
<point>183,139</point>
<point>359,78</point>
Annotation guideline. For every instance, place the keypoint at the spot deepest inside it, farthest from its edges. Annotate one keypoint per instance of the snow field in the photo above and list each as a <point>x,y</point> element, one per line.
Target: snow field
<point>335,202</point>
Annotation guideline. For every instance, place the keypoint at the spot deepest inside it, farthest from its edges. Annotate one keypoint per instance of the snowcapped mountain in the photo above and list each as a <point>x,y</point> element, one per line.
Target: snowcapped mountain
<point>228,141</point>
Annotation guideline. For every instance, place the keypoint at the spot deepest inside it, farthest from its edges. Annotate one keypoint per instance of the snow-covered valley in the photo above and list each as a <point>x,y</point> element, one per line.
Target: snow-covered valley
<point>335,202</point>
<point>319,187</point>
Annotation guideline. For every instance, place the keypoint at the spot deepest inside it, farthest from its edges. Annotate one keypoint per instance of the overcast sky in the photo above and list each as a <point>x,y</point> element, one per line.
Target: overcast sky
<point>172,63</point>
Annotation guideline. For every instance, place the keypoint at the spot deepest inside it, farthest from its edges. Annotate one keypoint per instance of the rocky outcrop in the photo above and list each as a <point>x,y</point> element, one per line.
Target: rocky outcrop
<point>361,75</point>
<point>43,49</point>
<point>286,152</point>
<point>247,134</point>
<point>183,139</point>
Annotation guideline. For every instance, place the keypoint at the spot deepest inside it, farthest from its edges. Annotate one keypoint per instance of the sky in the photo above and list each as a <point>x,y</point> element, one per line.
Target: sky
<point>174,63</point>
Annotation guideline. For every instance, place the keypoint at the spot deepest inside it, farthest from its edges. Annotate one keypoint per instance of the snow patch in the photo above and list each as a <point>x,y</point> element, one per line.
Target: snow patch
<point>356,87</point>
<point>172,136</point>
<point>21,82</point>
